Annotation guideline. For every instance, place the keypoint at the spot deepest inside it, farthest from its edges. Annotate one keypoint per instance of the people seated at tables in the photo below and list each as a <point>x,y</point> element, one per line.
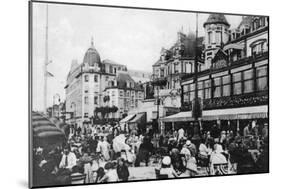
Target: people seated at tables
<point>189,145</point>
<point>68,159</point>
<point>189,162</point>
<point>204,151</point>
<point>166,168</point>
<point>217,156</point>
<point>110,173</point>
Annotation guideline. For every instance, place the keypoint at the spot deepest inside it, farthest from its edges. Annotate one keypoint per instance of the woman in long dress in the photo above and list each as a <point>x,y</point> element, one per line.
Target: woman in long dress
<point>103,148</point>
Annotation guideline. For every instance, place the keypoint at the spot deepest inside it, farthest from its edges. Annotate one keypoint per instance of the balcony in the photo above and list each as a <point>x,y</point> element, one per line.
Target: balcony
<point>251,99</point>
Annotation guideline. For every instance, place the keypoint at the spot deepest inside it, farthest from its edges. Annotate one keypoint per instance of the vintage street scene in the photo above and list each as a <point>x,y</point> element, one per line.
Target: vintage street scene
<point>121,94</point>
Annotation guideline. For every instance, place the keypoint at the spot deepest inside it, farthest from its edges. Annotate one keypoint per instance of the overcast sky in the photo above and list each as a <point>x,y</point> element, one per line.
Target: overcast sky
<point>127,36</point>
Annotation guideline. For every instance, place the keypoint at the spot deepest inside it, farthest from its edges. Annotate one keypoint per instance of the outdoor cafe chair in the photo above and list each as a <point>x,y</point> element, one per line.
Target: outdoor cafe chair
<point>78,179</point>
<point>219,169</point>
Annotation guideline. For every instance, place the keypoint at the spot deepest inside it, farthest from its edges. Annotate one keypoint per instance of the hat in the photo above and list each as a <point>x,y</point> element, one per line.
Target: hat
<point>108,165</point>
<point>166,160</point>
<point>185,151</point>
<point>188,142</point>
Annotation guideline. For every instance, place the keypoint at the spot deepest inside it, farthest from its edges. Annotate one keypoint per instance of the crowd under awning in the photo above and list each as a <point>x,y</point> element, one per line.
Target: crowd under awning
<point>255,112</point>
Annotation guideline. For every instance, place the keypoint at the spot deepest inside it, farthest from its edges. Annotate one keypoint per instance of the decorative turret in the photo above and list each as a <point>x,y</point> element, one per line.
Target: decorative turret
<point>216,35</point>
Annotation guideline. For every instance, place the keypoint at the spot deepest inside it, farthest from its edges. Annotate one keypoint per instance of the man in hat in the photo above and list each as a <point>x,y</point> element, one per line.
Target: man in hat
<point>68,159</point>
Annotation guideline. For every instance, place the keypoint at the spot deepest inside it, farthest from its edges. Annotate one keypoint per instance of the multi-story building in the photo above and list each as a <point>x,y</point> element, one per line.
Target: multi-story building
<point>86,83</point>
<point>125,93</point>
<point>234,89</point>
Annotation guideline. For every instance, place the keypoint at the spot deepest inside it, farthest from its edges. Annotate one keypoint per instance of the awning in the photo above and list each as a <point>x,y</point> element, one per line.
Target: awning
<point>254,112</point>
<point>233,46</point>
<point>44,128</point>
<point>127,118</point>
<point>137,119</point>
<point>181,116</point>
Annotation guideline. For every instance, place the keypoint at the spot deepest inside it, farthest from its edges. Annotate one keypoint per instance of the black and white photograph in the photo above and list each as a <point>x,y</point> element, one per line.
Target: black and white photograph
<point>123,94</point>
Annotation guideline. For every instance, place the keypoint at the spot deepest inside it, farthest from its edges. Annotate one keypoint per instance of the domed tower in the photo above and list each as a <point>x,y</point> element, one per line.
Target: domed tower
<point>92,57</point>
<point>216,34</point>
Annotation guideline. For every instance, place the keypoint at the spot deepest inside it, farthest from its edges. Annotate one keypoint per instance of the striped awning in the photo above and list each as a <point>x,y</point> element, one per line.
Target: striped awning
<point>127,118</point>
<point>43,127</point>
<point>254,112</point>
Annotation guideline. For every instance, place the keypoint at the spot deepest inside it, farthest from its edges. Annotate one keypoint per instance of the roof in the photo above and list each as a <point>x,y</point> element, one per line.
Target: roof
<point>123,78</point>
<point>246,21</point>
<point>107,61</point>
<point>91,56</point>
<point>217,18</point>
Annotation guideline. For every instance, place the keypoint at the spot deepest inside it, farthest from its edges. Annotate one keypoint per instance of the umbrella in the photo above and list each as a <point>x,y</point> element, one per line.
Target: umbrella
<point>45,131</point>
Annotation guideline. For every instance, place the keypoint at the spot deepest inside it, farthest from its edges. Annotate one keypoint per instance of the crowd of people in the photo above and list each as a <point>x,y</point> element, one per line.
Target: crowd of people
<point>99,154</point>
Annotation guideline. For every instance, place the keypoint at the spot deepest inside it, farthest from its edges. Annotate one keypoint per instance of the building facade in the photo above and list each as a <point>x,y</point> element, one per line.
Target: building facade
<point>86,86</point>
<point>235,87</point>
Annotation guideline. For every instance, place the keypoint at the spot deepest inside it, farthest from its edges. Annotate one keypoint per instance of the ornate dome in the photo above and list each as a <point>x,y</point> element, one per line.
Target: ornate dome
<point>216,19</point>
<point>92,56</point>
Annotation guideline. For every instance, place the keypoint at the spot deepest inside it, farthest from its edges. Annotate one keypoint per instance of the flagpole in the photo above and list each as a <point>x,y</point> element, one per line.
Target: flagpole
<point>46,61</point>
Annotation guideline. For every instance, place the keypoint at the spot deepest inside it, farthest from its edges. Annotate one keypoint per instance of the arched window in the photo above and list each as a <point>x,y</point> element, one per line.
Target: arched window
<point>259,46</point>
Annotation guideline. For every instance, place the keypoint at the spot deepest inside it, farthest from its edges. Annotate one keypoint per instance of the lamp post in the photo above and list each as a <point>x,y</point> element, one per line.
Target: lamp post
<point>153,78</point>
<point>53,109</point>
<point>74,112</point>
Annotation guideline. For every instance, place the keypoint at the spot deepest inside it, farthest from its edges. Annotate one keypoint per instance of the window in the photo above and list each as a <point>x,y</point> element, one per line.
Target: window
<point>86,114</point>
<point>210,40</point>
<point>96,98</point>
<point>140,95</point>
<point>86,78</point>
<point>218,37</point>
<point>207,89</point>
<point>121,94</point>
<point>96,78</point>
<point>86,91</point>
<point>226,85</point>
<point>86,100</point>
<point>262,78</point>
<point>237,84</point>
<point>217,87</point>
<point>248,81</point>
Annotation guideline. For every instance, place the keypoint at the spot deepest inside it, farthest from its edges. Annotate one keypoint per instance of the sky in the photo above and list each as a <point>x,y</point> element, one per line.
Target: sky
<point>131,37</point>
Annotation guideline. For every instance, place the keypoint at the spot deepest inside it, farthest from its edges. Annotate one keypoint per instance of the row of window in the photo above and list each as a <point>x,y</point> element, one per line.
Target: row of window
<point>242,83</point>
<point>86,100</point>
<point>86,78</point>
<point>184,67</point>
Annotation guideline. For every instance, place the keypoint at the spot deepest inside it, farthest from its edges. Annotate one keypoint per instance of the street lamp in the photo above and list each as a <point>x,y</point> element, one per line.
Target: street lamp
<point>74,112</point>
<point>54,98</point>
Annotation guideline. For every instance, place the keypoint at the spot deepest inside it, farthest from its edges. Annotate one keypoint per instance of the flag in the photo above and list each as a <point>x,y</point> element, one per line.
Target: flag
<point>48,74</point>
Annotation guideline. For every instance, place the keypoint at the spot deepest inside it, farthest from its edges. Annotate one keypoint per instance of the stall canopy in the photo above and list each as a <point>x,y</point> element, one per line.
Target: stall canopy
<point>139,117</point>
<point>43,128</point>
<point>222,114</point>
<point>127,118</point>
<point>181,116</point>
